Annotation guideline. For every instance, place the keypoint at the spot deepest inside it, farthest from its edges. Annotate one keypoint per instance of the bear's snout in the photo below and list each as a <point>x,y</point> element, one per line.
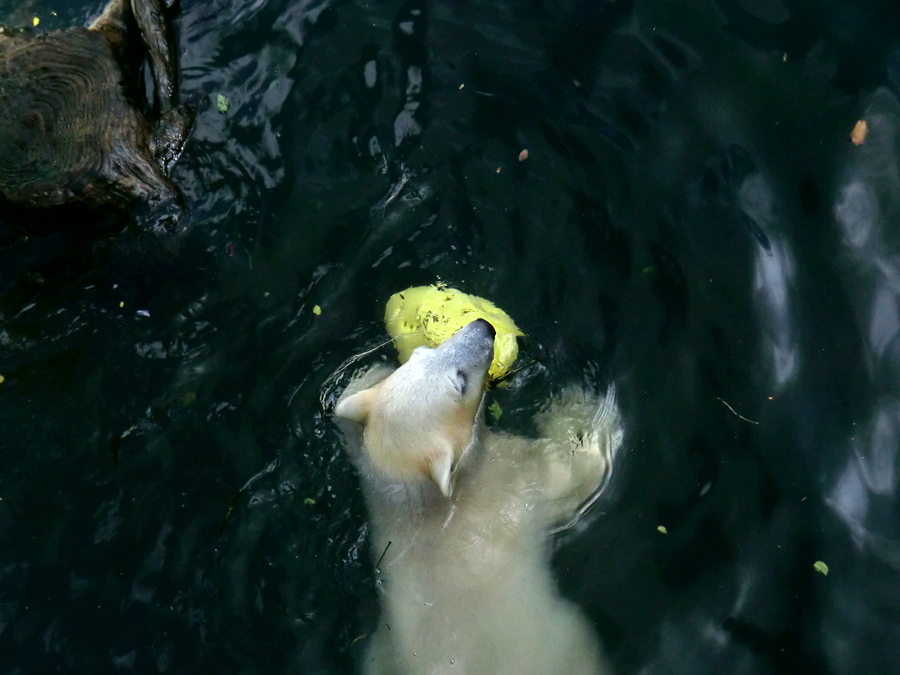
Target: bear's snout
<point>485,326</point>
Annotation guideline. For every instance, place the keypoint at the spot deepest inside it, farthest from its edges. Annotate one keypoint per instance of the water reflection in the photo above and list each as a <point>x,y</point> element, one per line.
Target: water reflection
<point>236,155</point>
<point>866,209</point>
<point>773,277</point>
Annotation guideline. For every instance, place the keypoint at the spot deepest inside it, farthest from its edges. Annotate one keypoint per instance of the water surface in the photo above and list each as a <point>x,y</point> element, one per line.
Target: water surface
<point>692,222</point>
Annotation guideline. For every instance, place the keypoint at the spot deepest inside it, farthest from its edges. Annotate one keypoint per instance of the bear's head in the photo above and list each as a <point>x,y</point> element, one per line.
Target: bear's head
<point>420,419</point>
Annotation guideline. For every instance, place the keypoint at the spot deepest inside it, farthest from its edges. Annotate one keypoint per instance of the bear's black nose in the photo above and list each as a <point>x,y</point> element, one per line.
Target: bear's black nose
<point>486,325</point>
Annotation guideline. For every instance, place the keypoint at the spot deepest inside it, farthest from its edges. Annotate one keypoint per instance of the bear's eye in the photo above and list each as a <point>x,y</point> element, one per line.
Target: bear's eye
<point>461,382</point>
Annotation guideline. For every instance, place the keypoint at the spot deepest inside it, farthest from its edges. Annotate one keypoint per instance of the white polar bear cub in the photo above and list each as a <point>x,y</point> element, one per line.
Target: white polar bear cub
<point>460,515</point>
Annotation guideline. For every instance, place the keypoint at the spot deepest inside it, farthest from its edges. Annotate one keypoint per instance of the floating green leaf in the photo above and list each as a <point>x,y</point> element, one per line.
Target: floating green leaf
<point>222,103</point>
<point>662,528</point>
<point>309,501</point>
<point>821,567</point>
<point>495,410</point>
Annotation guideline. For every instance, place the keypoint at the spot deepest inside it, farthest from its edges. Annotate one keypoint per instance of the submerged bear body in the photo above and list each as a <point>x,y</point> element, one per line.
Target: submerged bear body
<point>460,515</point>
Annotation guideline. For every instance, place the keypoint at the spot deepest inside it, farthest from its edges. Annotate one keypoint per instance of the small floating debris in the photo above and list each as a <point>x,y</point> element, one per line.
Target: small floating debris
<point>36,21</point>
<point>736,413</point>
<point>2,379</point>
<point>495,410</point>
<point>523,155</point>
<point>859,133</point>
<point>309,501</point>
<point>317,310</point>
<point>821,567</point>
<point>222,103</point>
<point>662,529</point>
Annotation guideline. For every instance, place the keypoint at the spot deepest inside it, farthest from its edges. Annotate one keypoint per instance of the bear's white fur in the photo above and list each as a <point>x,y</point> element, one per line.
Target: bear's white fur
<point>460,515</point>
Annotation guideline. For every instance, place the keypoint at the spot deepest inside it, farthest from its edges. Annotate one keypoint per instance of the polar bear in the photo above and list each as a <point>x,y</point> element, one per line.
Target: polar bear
<point>460,515</point>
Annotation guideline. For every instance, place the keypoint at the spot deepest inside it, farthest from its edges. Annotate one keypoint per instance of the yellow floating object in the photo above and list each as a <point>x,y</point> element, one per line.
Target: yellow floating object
<point>425,316</point>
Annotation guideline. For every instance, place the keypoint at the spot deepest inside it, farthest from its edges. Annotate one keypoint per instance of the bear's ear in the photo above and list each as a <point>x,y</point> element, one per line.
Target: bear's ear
<point>356,407</point>
<point>439,467</point>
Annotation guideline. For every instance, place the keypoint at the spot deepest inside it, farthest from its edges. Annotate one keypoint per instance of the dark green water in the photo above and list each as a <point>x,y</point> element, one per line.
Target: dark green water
<point>691,222</point>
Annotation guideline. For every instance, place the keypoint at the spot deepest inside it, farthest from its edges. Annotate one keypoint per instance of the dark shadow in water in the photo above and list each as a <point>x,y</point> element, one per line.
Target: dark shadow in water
<point>691,222</point>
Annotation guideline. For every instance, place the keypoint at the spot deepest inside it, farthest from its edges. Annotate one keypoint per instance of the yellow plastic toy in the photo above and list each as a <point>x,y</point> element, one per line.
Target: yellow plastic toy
<point>425,316</point>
